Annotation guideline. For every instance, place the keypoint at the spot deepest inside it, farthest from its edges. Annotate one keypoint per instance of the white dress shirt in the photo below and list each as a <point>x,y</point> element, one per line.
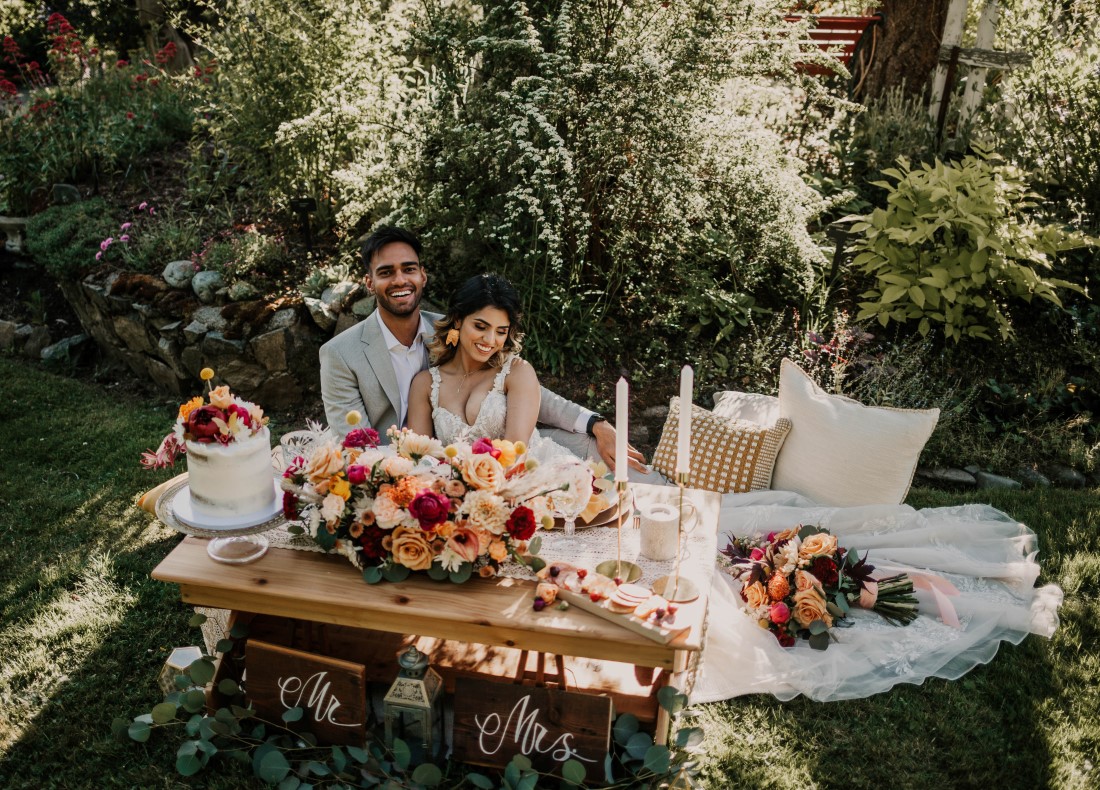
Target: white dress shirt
<point>407,360</point>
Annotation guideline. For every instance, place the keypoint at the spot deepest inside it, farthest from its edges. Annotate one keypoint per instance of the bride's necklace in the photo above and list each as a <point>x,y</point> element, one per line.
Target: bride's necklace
<point>467,375</point>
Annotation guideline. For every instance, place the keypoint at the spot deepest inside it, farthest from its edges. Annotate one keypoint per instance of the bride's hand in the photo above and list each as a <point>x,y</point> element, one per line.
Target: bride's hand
<point>604,433</point>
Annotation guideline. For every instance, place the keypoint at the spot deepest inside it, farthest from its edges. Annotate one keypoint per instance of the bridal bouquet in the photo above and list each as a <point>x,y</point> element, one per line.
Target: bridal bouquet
<point>415,505</point>
<point>800,583</point>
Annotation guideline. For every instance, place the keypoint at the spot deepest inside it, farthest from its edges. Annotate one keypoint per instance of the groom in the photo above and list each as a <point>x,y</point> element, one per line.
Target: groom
<point>369,366</point>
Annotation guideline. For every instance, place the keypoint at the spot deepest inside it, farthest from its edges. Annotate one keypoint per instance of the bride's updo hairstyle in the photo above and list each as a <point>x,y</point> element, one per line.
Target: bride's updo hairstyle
<point>480,291</point>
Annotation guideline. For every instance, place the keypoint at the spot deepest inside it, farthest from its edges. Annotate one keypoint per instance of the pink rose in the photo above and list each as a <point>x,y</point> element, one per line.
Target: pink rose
<point>779,613</point>
<point>361,437</point>
<point>201,425</point>
<point>357,475</point>
<point>430,509</point>
<point>465,543</point>
<point>484,446</point>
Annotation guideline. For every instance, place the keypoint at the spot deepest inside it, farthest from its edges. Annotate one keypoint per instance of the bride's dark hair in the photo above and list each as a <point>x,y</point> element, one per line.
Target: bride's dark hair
<point>480,291</point>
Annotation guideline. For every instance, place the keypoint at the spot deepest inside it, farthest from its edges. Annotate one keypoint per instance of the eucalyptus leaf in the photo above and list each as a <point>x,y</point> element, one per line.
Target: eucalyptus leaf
<point>225,646</point>
<point>228,687</point>
<point>625,726</point>
<point>536,564</point>
<point>119,726</point>
<point>357,754</point>
<point>294,714</point>
<point>511,774</point>
<point>402,755</point>
<point>427,774</point>
<point>573,771</point>
<point>201,671</point>
<point>239,630</point>
<point>274,767</point>
<point>535,545</point>
<point>437,572</point>
<point>463,573</point>
<point>528,782</point>
<point>657,759</point>
<point>395,573</point>
<point>193,724</point>
<point>480,781</point>
<point>608,768</point>
<point>290,783</point>
<point>197,620</point>
<point>317,768</point>
<point>139,731</point>
<point>672,700</point>
<point>819,641</point>
<point>164,712</point>
<point>188,765</point>
<point>339,759</point>
<point>372,574</point>
<point>689,737</point>
<point>818,627</point>
<point>193,701</point>
<point>638,745</point>
<point>523,762</point>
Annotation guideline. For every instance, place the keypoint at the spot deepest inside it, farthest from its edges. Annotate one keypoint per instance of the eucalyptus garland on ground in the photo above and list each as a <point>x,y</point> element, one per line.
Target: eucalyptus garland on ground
<point>293,760</point>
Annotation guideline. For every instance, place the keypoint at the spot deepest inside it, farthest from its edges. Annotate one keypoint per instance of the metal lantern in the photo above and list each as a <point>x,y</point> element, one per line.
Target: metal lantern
<point>414,697</point>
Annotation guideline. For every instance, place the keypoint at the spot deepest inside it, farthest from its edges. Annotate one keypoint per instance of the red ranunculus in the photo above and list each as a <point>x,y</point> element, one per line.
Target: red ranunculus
<point>242,414</point>
<point>430,509</point>
<point>201,426</point>
<point>357,474</point>
<point>521,524</point>
<point>370,542</point>
<point>785,639</point>
<point>290,506</point>
<point>484,446</point>
<point>824,569</point>
<point>361,437</point>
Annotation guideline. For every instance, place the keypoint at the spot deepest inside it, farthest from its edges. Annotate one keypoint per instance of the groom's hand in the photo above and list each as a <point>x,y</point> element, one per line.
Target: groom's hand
<point>604,434</point>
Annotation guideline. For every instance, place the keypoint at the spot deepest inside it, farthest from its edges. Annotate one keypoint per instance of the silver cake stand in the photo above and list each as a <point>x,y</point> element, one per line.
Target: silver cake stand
<point>235,544</point>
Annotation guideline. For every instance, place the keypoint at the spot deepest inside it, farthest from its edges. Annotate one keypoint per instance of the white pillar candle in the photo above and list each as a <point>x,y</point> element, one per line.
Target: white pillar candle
<point>622,406</point>
<point>683,446</point>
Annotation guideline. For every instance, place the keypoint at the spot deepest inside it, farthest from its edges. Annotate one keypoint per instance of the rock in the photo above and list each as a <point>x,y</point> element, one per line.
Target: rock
<point>972,469</point>
<point>194,331</point>
<point>7,335</point>
<point>345,321</point>
<point>179,274</point>
<point>244,378</point>
<point>218,345</point>
<point>67,351</point>
<point>132,333</point>
<point>1067,477</point>
<point>1032,478</point>
<point>320,313</point>
<point>989,480</point>
<point>35,340</point>
<point>242,291</point>
<point>192,360</point>
<point>363,307</point>
<point>279,391</point>
<point>163,376</point>
<point>170,328</point>
<point>282,319</point>
<point>206,284</point>
<point>269,349</point>
<point>337,294</point>
<point>638,434</point>
<point>64,194</point>
<point>210,317</point>
<point>656,412</point>
<point>947,478</point>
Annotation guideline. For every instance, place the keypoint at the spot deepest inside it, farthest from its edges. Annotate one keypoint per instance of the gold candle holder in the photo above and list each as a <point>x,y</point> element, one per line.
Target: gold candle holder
<point>616,568</point>
<point>672,587</point>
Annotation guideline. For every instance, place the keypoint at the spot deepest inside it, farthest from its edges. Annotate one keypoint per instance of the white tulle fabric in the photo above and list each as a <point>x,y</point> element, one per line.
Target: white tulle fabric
<point>491,419</point>
<point>988,556</point>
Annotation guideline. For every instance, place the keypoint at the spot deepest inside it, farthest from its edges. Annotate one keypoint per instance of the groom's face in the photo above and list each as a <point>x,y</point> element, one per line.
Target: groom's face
<point>397,279</point>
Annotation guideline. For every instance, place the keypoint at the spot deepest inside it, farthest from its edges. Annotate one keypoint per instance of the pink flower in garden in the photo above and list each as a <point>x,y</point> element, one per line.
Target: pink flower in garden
<point>142,206</point>
<point>125,226</point>
<point>124,238</point>
<point>107,242</point>
<point>99,256</point>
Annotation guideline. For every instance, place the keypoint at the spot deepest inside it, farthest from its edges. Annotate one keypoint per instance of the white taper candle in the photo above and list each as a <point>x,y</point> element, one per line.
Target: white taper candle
<point>683,445</point>
<point>622,407</point>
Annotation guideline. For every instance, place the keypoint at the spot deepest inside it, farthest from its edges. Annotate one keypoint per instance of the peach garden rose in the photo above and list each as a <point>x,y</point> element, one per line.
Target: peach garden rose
<point>821,544</point>
<point>411,548</point>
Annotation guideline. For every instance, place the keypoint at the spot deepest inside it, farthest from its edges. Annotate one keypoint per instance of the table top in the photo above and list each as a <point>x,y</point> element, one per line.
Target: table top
<point>498,611</point>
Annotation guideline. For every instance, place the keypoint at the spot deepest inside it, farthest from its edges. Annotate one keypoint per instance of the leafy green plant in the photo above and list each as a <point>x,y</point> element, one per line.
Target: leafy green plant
<point>323,276</point>
<point>955,243</point>
<point>244,253</point>
<point>291,758</point>
<point>65,238</point>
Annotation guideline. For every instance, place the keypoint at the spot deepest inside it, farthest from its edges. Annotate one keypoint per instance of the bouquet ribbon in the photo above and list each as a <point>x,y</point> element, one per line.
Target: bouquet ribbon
<point>941,590</point>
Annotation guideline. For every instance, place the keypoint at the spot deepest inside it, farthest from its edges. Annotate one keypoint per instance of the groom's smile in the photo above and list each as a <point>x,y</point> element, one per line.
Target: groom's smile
<point>397,279</point>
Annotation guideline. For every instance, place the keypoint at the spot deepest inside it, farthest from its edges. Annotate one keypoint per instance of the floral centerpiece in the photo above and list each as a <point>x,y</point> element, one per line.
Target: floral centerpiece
<point>415,505</point>
<point>220,417</point>
<point>800,583</point>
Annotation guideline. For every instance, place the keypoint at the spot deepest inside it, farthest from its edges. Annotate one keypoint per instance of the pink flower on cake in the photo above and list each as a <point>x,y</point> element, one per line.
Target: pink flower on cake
<point>242,414</point>
<point>430,509</point>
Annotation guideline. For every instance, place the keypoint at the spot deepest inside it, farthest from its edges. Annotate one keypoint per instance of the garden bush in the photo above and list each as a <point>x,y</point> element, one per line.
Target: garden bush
<point>65,238</point>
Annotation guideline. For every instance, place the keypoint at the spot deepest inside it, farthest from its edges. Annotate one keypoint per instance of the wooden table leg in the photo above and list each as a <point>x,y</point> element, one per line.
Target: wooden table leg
<point>680,664</point>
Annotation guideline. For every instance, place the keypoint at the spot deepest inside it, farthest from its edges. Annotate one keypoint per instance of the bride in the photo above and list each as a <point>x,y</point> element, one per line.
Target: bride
<point>477,385</point>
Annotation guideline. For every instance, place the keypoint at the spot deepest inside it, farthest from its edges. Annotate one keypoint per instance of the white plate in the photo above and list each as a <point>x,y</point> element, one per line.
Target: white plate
<point>174,509</point>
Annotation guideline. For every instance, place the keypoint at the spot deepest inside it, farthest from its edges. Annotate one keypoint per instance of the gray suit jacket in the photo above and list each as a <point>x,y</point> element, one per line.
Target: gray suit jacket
<point>356,373</point>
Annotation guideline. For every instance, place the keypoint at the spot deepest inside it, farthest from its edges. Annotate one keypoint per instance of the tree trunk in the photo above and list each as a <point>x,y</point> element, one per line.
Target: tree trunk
<point>908,50</point>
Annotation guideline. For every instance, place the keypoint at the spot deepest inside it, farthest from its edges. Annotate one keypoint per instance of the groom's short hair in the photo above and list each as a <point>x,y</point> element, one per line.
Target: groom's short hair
<point>387,234</point>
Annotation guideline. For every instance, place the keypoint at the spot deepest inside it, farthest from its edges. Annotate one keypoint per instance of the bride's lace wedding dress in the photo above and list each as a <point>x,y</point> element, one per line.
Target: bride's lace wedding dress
<point>491,419</point>
<point>988,558</point>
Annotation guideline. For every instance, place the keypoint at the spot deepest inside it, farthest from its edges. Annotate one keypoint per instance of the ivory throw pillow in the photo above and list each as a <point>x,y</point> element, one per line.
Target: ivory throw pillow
<point>727,456</point>
<point>750,406</point>
<point>843,453</point>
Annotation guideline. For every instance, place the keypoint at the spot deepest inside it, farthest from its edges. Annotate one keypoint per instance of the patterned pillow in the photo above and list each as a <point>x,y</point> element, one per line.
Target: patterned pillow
<point>727,456</point>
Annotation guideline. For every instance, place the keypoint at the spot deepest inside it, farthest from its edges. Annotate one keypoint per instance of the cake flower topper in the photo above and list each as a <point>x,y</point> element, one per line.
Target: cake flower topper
<point>223,418</point>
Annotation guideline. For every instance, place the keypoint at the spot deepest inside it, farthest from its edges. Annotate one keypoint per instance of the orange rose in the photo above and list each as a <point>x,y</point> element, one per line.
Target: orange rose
<point>482,471</point>
<point>804,580</point>
<point>756,594</point>
<point>817,545</point>
<point>411,549</point>
<point>809,605</point>
<point>325,462</point>
<point>221,397</point>
<point>498,551</point>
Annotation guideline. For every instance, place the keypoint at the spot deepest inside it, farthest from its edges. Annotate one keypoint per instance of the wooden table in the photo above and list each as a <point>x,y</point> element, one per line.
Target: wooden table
<point>326,589</point>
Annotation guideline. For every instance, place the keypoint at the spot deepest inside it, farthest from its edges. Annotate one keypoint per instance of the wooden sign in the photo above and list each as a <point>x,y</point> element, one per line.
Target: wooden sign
<point>493,722</point>
<point>331,692</point>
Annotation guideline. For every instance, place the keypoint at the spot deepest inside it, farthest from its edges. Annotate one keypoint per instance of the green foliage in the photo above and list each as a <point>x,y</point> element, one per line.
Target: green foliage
<point>66,238</point>
<point>97,119</point>
<point>299,90</point>
<point>246,254</point>
<point>953,244</point>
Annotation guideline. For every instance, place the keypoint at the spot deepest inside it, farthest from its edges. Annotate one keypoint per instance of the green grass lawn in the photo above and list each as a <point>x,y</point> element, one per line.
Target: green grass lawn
<point>84,632</point>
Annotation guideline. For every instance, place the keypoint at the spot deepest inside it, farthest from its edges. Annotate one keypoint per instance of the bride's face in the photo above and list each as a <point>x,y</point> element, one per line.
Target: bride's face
<point>484,333</point>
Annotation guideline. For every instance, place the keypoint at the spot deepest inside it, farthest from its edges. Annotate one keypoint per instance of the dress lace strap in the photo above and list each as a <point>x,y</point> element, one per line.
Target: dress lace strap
<point>435,387</point>
<point>498,382</point>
